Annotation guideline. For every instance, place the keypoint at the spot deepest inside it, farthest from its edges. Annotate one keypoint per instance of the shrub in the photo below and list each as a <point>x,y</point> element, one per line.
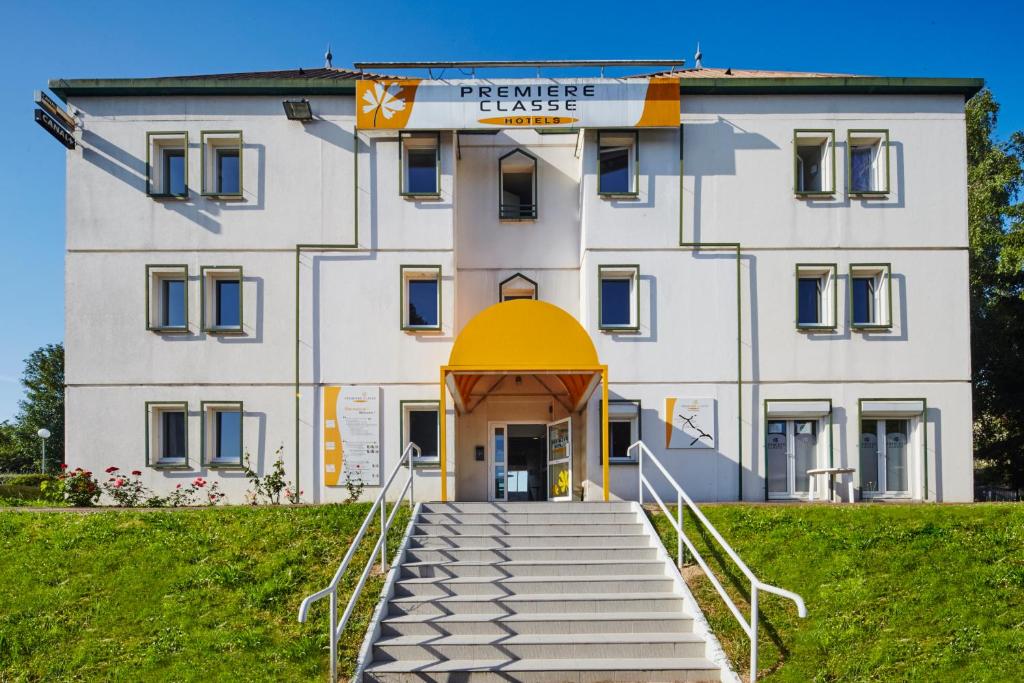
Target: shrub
<point>270,486</point>
<point>77,488</point>
<point>34,479</point>
<point>126,490</point>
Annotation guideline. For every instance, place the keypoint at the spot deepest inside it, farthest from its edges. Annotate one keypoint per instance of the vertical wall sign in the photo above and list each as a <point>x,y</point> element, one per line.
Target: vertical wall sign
<point>690,423</point>
<point>351,435</point>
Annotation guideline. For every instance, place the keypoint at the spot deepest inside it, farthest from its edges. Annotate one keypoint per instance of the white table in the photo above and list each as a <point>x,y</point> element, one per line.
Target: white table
<point>831,472</point>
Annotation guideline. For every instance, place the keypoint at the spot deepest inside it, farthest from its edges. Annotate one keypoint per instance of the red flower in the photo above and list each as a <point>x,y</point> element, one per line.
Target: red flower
<point>136,473</point>
<point>110,469</point>
<point>178,486</point>
<point>63,465</point>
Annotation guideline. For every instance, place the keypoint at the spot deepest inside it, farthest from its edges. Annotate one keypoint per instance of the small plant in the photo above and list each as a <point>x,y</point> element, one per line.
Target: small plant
<point>354,486</point>
<point>270,486</point>
<point>198,492</point>
<point>126,490</point>
<point>77,488</point>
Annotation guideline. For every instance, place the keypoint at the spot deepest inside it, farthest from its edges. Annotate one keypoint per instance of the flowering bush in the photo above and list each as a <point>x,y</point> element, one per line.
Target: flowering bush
<point>126,490</point>
<point>270,486</point>
<point>198,492</point>
<point>77,488</point>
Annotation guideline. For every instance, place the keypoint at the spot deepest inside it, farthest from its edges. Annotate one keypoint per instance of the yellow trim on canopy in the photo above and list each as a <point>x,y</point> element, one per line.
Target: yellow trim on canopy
<point>523,336</point>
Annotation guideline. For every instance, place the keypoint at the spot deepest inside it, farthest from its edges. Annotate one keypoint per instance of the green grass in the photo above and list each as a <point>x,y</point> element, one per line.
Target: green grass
<point>893,592</point>
<point>176,595</point>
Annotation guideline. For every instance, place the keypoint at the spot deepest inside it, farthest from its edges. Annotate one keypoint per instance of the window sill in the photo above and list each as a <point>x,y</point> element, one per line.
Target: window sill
<point>169,330</point>
<point>618,195</point>
<point>811,329</point>
<point>171,465</point>
<point>168,197</point>
<point>235,196</point>
<point>224,465</point>
<point>815,195</point>
<point>225,331</point>
<point>870,195</point>
<point>620,330</point>
<point>622,461</point>
<point>425,196</point>
<point>524,219</point>
<point>871,328</point>
<point>426,462</point>
<point>417,330</point>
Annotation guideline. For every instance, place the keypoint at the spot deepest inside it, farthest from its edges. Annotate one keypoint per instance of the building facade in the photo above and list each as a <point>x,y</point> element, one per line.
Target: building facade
<point>771,271</point>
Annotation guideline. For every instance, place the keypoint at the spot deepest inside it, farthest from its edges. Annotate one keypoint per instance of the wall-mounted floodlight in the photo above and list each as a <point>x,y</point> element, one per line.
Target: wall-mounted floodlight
<point>298,110</point>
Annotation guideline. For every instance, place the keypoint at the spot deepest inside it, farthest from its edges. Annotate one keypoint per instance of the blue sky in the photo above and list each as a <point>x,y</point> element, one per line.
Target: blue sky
<point>40,41</point>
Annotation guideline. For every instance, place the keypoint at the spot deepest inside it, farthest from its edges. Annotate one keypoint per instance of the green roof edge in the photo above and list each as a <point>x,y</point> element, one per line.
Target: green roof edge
<point>143,87</point>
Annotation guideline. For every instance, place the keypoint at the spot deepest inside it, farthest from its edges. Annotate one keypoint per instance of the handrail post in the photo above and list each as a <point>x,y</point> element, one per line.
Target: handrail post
<point>679,537</point>
<point>334,635</point>
<point>412,483</point>
<point>640,473</point>
<point>753,631</point>
<point>384,534</point>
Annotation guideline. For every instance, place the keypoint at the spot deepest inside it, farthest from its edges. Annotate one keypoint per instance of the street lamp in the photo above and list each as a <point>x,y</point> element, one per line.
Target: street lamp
<point>43,435</point>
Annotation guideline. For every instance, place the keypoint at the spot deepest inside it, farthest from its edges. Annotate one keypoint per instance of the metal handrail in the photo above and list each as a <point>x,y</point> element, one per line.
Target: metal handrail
<point>338,626</point>
<point>750,627</point>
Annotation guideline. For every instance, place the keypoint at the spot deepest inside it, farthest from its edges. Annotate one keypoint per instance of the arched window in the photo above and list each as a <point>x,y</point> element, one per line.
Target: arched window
<point>517,186</point>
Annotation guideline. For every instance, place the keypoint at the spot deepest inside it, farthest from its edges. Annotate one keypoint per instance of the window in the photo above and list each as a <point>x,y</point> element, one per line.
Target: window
<point>421,298</point>
<point>870,296</point>
<point>816,296</point>
<point>623,428</point>
<point>167,164</point>
<point>617,162</point>
<point>222,299</point>
<point>618,297</point>
<point>518,186</point>
<point>167,298</point>
<point>420,426</point>
<point>221,152</point>
<point>791,448</point>
<point>884,456</point>
<point>517,287</point>
<point>166,434</point>
<point>868,162</point>
<point>222,434</point>
<point>420,163</point>
<point>814,161</point>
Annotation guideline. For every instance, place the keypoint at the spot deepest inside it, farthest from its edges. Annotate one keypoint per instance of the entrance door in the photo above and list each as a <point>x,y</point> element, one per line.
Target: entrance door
<point>560,460</point>
<point>884,461</point>
<point>791,448</point>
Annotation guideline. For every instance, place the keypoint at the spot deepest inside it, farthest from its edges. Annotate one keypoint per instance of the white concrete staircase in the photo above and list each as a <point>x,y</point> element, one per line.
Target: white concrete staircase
<point>537,592</point>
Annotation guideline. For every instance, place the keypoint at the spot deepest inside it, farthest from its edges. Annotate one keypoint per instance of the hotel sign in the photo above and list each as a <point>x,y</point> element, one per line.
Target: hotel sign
<point>419,104</point>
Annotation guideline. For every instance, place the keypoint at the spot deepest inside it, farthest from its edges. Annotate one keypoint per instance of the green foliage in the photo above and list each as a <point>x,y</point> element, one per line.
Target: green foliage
<point>205,594</point>
<point>77,488</point>
<point>893,592</point>
<point>43,406</point>
<point>354,486</point>
<point>270,486</point>
<point>995,177</point>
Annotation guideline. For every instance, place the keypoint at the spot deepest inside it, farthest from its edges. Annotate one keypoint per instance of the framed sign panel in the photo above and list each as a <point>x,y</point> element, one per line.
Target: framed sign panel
<point>690,423</point>
<point>351,435</point>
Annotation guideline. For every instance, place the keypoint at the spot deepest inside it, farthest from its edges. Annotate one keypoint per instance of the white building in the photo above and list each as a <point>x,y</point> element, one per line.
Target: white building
<point>772,268</point>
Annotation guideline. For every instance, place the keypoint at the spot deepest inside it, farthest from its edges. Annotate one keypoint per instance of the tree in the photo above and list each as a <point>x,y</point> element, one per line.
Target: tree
<point>43,406</point>
<point>995,178</point>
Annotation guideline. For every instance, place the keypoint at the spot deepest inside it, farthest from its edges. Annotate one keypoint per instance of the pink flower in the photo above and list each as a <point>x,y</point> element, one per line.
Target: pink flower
<point>178,486</point>
<point>136,473</point>
<point>110,469</point>
<point>119,483</point>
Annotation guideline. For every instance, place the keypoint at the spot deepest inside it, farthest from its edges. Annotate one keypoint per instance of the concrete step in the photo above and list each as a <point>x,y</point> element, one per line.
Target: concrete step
<point>527,529</point>
<point>601,603</point>
<point>497,624</point>
<point>502,670</point>
<point>524,541</point>
<point>574,506</point>
<point>560,568</point>
<point>527,517</point>
<point>525,554</point>
<point>583,646</point>
<point>532,585</point>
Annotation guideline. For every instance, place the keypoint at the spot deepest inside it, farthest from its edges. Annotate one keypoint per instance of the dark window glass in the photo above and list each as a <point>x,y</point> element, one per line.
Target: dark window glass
<point>227,171</point>
<point>776,459</point>
<point>864,300</point>
<point>863,169</point>
<point>615,302</point>
<point>868,455</point>
<point>517,195</point>
<point>615,170</point>
<point>809,171</point>
<point>228,435</point>
<point>423,303</point>
<point>173,303</point>
<point>174,171</point>
<point>423,431</point>
<point>809,311</point>
<point>421,174</point>
<point>228,308</point>
<point>620,435</point>
<point>172,439</point>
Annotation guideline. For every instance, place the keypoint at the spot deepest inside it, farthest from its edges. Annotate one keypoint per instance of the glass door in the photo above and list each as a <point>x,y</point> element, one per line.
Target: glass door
<point>884,456</point>
<point>560,460</point>
<point>791,448</point>
<point>499,465</point>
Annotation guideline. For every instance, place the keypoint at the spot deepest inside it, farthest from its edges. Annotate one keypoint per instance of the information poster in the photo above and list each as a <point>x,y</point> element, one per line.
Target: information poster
<point>351,435</point>
<point>690,422</point>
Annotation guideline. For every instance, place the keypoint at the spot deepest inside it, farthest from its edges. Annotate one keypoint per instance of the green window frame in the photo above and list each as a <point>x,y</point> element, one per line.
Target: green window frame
<point>883,301</point>
<point>410,140</point>
<point>602,136</point>
<point>408,273</point>
<point>406,406</point>
<point>827,164</point>
<point>517,212</point>
<point>210,143</point>
<point>156,274</point>
<point>208,278</point>
<point>208,422</point>
<point>764,430</point>
<point>157,143</point>
<point>882,137</point>
<point>612,417</point>
<point>828,295</point>
<point>509,281</point>
<point>619,272</point>
<point>922,416</point>
<point>154,435</point>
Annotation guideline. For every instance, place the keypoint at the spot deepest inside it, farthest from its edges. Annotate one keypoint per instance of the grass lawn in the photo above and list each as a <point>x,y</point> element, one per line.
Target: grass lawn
<point>893,592</point>
<point>175,595</point>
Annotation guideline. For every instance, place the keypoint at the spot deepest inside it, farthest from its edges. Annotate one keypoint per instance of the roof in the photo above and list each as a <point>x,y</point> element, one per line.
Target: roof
<point>335,81</point>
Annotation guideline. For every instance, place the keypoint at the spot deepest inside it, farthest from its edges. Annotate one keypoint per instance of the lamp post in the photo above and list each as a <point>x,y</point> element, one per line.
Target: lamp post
<point>43,435</point>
